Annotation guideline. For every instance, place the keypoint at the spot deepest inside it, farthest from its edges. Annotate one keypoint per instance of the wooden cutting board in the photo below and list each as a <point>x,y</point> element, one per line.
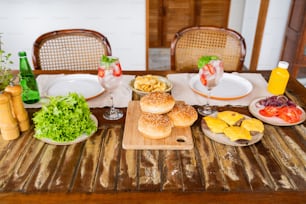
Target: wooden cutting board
<point>180,138</point>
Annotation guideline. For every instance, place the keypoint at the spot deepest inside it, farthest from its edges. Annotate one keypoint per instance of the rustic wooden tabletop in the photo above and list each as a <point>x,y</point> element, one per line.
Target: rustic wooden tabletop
<point>99,169</point>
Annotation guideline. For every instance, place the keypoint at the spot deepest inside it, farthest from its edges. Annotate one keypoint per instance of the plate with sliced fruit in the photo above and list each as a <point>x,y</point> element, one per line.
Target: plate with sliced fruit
<point>277,110</point>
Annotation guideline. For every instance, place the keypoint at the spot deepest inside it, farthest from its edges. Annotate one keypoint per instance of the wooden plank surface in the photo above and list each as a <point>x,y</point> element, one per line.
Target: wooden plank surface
<point>88,165</point>
<point>171,171</point>
<point>100,165</point>
<point>99,170</point>
<point>180,138</point>
<point>106,174</point>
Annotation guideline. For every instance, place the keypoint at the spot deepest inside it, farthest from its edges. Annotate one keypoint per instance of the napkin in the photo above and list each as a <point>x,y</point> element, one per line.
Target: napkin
<point>182,91</point>
<point>122,95</point>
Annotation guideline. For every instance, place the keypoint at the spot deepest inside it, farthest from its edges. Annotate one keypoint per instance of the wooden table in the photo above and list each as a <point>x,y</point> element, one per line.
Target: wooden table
<point>100,170</point>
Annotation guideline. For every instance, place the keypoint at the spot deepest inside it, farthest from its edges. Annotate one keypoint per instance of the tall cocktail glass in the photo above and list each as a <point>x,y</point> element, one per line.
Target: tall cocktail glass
<point>210,75</point>
<point>109,75</point>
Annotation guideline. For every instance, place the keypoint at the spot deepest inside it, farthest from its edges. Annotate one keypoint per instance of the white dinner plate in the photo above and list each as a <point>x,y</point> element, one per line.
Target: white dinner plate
<point>230,87</point>
<point>221,138</point>
<point>83,84</point>
<point>81,138</point>
<point>254,109</point>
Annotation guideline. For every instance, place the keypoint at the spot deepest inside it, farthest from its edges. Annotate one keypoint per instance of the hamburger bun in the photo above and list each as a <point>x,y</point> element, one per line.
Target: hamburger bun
<point>230,117</point>
<point>154,126</point>
<point>235,133</point>
<point>215,125</point>
<point>183,115</point>
<point>157,103</point>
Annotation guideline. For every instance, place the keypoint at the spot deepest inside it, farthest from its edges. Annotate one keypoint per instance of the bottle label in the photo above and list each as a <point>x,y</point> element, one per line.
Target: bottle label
<point>30,93</point>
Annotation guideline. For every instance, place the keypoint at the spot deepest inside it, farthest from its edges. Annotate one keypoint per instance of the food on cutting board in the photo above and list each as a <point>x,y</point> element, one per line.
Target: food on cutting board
<point>183,115</point>
<point>64,119</point>
<point>149,83</point>
<point>155,126</point>
<point>157,102</point>
<point>280,107</point>
<point>160,112</point>
<point>233,125</point>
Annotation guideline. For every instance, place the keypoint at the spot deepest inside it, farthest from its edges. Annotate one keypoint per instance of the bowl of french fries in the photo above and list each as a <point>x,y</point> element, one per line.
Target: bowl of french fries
<point>145,84</point>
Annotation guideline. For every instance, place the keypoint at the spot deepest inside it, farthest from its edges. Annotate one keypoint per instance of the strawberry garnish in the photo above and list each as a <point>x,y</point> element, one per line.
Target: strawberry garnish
<point>210,68</point>
<point>203,79</point>
<point>101,72</point>
<point>117,71</point>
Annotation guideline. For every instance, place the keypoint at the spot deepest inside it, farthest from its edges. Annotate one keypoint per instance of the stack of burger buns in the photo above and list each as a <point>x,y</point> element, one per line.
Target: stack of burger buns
<point>160,113</point>
<point>233,125</point>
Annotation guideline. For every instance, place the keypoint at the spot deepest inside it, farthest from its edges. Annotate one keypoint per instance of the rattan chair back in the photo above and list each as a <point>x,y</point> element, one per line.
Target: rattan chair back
<point>189,44</point>
<point>74,49</point>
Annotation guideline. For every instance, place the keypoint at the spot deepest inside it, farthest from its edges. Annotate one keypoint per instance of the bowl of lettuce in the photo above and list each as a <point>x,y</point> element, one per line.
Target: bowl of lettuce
<point>64,120</point>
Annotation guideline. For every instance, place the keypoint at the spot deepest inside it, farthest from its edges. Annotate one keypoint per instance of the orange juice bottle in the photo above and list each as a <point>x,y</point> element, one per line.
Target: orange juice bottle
<point>279,78</point>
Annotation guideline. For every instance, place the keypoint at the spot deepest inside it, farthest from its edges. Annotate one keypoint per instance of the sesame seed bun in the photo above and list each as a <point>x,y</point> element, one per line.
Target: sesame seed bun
<point>155,126</point>
<point>183,115</point>
<point>157,103</point>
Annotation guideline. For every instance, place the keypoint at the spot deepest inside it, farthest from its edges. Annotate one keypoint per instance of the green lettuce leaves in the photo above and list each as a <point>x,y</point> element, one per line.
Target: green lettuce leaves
<point>64,119</point>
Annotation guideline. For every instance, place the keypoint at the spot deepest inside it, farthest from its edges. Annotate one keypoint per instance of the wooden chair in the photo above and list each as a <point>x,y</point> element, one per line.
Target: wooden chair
<point>74,49</point>
<point>190,43</point>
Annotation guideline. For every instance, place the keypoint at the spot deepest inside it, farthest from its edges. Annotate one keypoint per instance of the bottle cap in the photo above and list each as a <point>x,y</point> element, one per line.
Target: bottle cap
<point>283,64</point>
<point>22,54</point>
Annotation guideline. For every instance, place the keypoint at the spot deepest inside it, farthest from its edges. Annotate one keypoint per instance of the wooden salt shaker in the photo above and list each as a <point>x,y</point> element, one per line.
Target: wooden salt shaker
<point>18,108</point>
<point>8,124</point>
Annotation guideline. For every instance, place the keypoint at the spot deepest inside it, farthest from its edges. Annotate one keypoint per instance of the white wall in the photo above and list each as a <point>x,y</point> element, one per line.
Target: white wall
<point>274,34</point>
<point>249,27</point>
<point>274,31</point>
<point>122,21</point>
<point>236,15</point>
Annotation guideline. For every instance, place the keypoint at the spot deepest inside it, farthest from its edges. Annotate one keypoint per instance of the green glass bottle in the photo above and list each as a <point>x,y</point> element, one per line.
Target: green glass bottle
<point>30,92</point>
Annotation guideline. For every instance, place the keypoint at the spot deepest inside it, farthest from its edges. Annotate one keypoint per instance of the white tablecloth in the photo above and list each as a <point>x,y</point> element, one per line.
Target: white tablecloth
<point>182,91</point>
<point>122,95</point>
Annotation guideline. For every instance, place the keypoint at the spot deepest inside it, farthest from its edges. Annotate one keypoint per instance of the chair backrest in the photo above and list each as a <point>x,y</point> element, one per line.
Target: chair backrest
<point>73,49</point>
<point>190,43</point>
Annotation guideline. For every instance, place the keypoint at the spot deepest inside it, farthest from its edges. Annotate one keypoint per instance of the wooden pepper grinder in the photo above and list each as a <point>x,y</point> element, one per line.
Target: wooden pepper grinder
<point>8,124</point>
<point>18,108</point>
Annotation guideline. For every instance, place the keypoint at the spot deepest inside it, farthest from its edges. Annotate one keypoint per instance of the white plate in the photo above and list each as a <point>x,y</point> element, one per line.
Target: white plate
<point>221,138</point>
<point>230,87</point>
<point>81,138</point>
<point>83,84</point>
<point>272,120</point>
<point>160,78</point>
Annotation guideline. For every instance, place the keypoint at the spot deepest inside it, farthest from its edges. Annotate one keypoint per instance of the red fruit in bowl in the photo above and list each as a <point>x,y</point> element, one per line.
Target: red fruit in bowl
<point>101,72</point>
